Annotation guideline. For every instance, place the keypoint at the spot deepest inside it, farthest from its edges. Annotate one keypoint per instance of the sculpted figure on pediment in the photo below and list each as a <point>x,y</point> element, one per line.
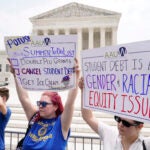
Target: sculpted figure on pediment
<point>74,10</point>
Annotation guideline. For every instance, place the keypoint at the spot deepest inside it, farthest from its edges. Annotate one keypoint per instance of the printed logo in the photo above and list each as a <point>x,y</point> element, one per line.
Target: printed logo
<point>122,51</point>
<point>47,40</point>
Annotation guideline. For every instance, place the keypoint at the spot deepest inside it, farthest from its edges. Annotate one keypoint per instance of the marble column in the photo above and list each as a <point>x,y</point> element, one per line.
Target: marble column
<point>114,36</point>
<point>67,31</point>
<point>102,37</point>
<point>79,48</point>
<point>56,32</point>
<point>45,32</point>
<point>34,32</point>
<point>91,38</point>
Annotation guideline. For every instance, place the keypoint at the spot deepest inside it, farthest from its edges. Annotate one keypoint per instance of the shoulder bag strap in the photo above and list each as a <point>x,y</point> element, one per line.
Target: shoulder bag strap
<point>31,122</point>
<point>143,143</point>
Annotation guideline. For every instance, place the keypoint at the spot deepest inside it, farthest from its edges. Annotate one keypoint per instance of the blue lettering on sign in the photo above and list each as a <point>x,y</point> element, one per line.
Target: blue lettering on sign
<point>136,83</point>
<point>102,81</point>
<point>18,41</point>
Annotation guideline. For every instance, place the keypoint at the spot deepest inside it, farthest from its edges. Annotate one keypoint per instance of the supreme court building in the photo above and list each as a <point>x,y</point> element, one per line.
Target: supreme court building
<point>95,27</point>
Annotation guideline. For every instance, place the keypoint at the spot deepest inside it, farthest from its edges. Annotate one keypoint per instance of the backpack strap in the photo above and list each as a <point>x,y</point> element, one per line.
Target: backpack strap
<point>143,143</point>
<point>31,121</point>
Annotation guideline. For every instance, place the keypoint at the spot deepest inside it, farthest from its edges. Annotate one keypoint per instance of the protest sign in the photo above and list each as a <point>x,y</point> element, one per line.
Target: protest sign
<point>43,62</point>
<point>117,80</point>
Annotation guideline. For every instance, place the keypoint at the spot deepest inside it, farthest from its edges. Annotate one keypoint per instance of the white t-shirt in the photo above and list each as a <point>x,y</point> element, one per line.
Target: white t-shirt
<point>112,141</point>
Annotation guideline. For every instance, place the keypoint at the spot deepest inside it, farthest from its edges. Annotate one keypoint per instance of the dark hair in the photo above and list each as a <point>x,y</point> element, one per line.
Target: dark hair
<point>4,92</point>
<point>56,100</point>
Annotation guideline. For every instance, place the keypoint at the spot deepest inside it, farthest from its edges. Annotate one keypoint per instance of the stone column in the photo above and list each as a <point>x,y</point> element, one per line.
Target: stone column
<point>90,38</point>
<point>34,32</point>
<point>79,48</point>
<point>67,32</point>
<point>114,36</point>
<point>56,32</point>
<point>45,32</point>
<point>102,37</point>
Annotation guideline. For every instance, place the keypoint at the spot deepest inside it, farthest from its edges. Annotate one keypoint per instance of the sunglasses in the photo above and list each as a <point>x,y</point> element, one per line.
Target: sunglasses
<point>43,103</point>
<point>125,123</point>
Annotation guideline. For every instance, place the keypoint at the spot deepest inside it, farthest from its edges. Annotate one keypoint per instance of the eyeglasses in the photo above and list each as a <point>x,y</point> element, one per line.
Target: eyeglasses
<point>43,103</point>
<point>125,123</point>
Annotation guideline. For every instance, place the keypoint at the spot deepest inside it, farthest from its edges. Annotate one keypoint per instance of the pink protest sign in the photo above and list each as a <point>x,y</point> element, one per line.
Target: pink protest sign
<point>117,80</point>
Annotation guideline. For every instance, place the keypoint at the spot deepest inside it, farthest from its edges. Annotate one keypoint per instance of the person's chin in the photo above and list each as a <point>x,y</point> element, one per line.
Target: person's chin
<point>121,132</point>
<point>41,114</point>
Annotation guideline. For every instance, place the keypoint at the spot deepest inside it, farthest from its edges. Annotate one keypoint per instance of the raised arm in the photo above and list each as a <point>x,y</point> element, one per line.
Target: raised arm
<point>67,114</point>
<point>87,114</point>
<point>23,96</point>
<point>3,107</point>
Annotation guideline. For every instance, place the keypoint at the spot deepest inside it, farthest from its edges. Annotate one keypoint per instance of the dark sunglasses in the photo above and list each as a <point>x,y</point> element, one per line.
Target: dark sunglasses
<point>43,103</point>
<point>125,123</point>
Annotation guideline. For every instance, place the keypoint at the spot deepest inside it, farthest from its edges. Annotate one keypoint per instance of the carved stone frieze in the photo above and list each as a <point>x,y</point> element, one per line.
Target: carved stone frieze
<point>74,10</point>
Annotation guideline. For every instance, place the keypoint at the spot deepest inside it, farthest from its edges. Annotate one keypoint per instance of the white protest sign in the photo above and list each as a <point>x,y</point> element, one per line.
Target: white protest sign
<point>117,80</point>
<point>43,62</point>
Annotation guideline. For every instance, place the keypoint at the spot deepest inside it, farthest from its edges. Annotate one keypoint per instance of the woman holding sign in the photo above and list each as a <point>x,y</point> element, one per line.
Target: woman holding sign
<point>127,137</point>
<point>50,128</point>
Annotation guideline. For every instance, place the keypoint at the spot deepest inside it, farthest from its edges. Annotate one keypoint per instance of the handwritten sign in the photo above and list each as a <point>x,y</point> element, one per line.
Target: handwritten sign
<point>117,80</point>
<point>43,62</point>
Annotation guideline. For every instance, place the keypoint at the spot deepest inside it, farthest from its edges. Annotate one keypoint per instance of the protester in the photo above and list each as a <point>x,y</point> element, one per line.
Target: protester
<point>51,128</point>
<point>127,137</point>
<point>5,114</point>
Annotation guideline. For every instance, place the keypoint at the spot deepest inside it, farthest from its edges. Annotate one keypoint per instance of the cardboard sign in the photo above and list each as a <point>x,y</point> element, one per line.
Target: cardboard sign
<point>117,80</point>
<point>43,62</point>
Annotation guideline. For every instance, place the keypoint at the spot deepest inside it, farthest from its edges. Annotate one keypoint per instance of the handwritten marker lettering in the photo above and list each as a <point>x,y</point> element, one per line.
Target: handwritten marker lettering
<point>102,100</point>
<point>36,71</point>
<point>105,82</point>
<point>18,41</point>
<point>129,83</point>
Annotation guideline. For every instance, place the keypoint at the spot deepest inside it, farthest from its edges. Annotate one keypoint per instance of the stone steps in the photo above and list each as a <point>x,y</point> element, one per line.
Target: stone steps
<point>18,122</point>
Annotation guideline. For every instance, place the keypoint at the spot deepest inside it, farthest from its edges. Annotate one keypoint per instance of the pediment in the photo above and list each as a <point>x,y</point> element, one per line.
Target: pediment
<point>74,10</point>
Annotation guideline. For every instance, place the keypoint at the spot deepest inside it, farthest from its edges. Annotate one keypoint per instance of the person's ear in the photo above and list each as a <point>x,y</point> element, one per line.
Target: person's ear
<point>56,107</point>
<point>4,98</point>
<point>140,126</point>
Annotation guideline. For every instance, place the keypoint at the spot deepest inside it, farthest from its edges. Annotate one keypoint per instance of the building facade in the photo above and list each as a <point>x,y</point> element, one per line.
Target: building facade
<point>4,69</point>
<point>95,27</point>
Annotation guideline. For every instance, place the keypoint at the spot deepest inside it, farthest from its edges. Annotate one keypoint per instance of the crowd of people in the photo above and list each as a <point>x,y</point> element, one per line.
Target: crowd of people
<point>51,121</point>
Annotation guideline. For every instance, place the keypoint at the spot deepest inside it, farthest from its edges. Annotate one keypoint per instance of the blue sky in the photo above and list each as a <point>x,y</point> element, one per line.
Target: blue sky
<point>134,24</point>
